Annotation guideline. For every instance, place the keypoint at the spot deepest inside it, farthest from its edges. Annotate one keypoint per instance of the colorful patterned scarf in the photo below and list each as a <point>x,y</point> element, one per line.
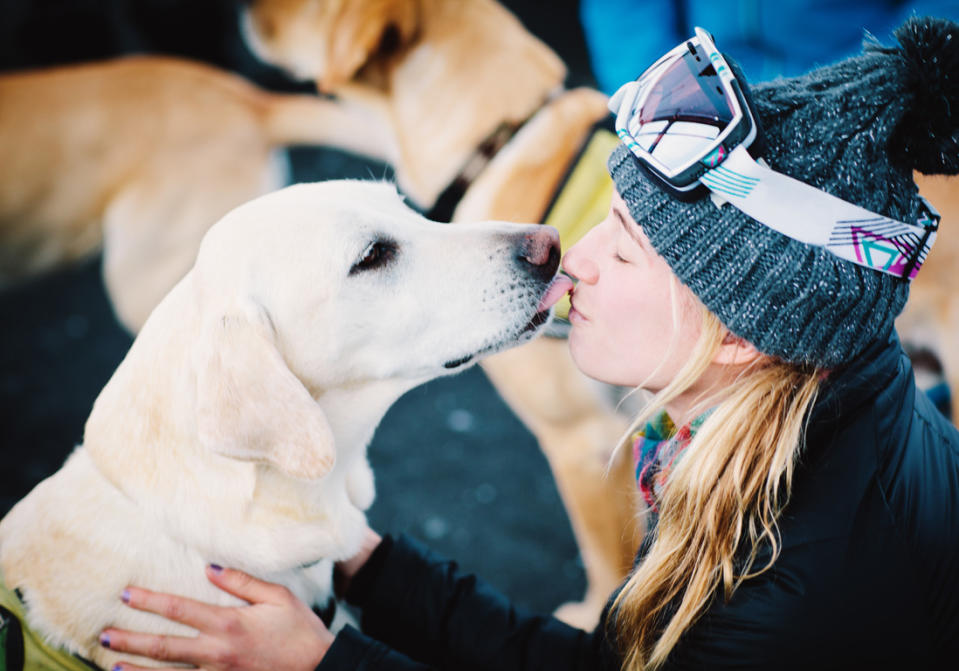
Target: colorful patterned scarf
<point>656,449</point>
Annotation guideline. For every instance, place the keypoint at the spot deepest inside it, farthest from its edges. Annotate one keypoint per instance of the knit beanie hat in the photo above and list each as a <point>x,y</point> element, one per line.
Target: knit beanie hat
<point>856,129</point>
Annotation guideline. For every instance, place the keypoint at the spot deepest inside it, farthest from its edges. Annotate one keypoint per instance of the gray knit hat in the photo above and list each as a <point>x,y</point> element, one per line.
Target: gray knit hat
<point>856,129</point>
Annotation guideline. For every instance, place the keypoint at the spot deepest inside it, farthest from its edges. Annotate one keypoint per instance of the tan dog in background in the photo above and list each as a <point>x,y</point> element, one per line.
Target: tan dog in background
<point>141,155</point>
<point>235,430</point>
<point>439,77</point>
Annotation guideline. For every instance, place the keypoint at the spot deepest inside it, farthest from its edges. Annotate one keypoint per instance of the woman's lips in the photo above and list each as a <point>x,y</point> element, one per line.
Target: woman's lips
<point>575,316</point>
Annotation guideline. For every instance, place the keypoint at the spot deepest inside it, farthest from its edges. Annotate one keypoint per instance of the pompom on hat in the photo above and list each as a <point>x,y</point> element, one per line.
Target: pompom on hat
<point>855,129</point>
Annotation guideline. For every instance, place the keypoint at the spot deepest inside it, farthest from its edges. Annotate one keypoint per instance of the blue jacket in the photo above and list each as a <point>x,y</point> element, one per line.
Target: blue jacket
<point>868,576</point>
<point>766,39</point>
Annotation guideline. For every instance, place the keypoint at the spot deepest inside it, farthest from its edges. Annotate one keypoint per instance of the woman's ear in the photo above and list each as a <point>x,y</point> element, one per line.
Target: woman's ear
<point>736,351</point>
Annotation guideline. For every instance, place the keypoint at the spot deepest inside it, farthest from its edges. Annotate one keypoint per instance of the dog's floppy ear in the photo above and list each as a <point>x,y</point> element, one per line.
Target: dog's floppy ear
<point>250,406</point>
<point>362,31</point>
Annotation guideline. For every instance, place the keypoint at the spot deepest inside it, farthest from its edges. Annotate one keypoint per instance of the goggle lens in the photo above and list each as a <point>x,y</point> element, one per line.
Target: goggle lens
<point>684,111</point>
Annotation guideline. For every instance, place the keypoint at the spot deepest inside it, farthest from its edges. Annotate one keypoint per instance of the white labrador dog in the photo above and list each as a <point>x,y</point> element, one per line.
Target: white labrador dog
<point>235,430</point>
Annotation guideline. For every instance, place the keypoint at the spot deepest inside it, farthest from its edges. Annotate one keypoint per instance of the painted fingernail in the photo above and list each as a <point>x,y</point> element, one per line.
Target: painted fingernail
<point>125,597</point>
<point>117,667</point>
<point>216,568</point>
<point>105,640</point>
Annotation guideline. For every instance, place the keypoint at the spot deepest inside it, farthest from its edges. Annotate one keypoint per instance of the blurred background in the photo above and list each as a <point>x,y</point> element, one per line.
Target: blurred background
<point>454,467</point>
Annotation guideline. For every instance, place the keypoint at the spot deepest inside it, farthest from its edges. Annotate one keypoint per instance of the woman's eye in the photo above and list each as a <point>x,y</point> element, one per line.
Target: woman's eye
<point>377,255</point>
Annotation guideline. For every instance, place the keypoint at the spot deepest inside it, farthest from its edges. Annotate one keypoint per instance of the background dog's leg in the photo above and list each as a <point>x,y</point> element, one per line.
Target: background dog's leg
<point>153,228</point>
<point>577,432</point>
<point>606,518</point>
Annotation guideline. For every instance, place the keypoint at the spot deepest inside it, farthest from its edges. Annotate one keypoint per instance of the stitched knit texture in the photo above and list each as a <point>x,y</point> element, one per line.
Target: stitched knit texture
<point>832,128</point>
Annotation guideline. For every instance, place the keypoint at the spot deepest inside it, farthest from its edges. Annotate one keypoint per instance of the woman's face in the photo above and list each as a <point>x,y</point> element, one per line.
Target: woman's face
<point>624,330</point>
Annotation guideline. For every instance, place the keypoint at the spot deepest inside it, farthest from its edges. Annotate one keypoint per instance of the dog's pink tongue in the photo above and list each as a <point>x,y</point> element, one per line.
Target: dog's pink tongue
<point>559,287</point>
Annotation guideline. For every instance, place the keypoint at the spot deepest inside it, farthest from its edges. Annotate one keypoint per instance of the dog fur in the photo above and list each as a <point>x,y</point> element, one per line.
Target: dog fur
<point>439,77</point>
<point>140,156</point>
<point>235,430</point>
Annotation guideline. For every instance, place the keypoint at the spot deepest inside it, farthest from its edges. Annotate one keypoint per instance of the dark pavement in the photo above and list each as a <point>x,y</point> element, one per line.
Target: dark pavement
<point>454,467</point>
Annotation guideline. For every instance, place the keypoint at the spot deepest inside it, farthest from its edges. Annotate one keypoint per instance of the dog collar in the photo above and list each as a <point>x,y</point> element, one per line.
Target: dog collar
<point>34,651</point>
<point>450,197</point>
<point>477,161</point>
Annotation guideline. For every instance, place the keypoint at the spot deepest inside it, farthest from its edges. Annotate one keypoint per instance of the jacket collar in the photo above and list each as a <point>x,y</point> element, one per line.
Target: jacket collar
<point>876,381</point>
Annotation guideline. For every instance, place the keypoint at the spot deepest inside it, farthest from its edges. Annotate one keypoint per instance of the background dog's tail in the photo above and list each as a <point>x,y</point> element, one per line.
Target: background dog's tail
<point>307,119</point>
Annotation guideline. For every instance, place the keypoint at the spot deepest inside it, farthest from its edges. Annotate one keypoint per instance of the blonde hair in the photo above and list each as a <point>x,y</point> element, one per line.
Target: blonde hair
<point>729,488</point>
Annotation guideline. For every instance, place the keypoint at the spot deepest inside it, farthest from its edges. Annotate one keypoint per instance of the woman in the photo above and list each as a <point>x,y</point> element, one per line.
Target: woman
<point>805,512</point>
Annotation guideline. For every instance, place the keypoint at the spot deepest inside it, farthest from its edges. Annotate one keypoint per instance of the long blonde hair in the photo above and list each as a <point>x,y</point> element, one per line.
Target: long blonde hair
<point>729,488</point>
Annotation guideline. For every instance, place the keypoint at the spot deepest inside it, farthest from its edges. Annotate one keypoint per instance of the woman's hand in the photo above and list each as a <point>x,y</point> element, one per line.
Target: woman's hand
<point>345,570</point>
<point>276,632</point>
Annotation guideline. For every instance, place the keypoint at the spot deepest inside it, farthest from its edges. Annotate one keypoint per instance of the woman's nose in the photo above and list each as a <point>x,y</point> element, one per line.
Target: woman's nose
<point>578,264</point>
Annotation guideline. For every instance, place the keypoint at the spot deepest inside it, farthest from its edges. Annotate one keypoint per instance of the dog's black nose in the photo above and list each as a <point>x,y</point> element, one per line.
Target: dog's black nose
<point>540,253</point>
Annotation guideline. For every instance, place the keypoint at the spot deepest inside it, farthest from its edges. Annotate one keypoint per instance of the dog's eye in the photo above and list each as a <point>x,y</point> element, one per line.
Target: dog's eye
<point>377,255</point>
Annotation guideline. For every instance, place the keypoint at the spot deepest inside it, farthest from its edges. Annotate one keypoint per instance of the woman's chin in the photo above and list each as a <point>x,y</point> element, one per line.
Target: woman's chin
<point>585,356</point>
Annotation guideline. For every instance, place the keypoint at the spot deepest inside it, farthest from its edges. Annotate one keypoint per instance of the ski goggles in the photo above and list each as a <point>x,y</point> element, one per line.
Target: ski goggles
<point>689,121</point>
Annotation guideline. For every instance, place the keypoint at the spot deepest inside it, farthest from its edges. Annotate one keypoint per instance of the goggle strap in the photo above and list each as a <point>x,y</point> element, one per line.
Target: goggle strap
<point>807,214</point>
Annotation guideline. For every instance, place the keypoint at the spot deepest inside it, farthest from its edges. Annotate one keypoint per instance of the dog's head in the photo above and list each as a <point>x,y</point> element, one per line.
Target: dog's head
<point>338,286</point>
<point>329,41</point>
<point>444,74</point>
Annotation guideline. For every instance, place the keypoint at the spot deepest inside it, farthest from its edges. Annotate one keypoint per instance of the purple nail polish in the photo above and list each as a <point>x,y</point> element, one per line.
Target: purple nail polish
<point>105,640</point>
<point>117,667</point>
<point>125,596</point>
<point>216,568</point>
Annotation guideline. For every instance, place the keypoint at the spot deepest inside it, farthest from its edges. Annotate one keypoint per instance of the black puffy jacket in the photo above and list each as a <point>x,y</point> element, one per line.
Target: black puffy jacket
<point>868,576</point>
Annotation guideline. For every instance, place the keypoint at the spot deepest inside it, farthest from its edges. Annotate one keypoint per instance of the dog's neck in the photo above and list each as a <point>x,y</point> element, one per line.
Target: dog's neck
<point>368,401</point>
<point>542,143</point>
<point>446,202</point>
<point>521,180</point>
